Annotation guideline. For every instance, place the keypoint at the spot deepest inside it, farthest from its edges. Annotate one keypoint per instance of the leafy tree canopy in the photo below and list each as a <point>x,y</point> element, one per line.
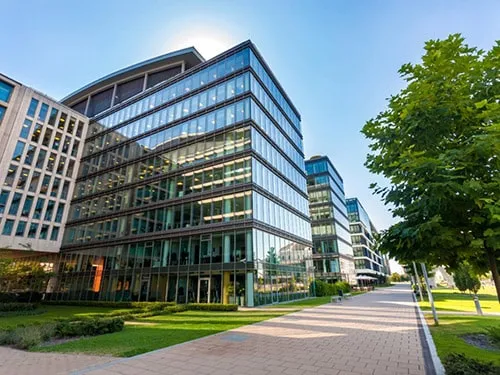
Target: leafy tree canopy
<point>438,144</point>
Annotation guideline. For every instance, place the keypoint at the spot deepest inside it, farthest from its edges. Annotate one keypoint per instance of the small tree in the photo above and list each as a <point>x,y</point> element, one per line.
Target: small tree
<point>395,277</point>
<point>466,279</point>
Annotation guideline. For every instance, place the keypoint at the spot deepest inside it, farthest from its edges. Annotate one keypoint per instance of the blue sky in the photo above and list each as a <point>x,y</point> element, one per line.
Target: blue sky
<point>337,60</point>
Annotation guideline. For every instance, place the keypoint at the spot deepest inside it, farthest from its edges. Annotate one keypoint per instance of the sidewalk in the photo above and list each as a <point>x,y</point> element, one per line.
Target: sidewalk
<point>375,333</point>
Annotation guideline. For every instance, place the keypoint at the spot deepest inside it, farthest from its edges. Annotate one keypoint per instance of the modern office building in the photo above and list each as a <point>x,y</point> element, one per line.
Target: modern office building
<point>42,143</point>
<point>192,186</point>
<point>370,264</point>
<point>332,251</point>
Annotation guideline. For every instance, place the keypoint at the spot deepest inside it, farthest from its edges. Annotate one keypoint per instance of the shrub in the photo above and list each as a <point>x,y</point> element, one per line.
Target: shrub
<point>27,337</point>
<point>92,327</point>
<point>112,304</point>
<point>211,307</point>
<point>33,297</point>
<point>17,306</point>
<point>458,364</point>
<point>494,333</point>
<point>327,289</point>
<point>22,313</point>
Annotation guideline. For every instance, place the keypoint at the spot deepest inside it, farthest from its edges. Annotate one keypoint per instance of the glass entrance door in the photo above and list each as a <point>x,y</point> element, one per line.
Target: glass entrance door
<point>204,290</point>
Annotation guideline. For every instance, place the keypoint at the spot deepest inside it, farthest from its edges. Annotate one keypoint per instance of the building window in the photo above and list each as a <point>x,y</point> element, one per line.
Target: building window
<point>30,155</point>
<point>80,107</point>
<point>54,234</point>
<point>62,121</point>
<point>7,227</point>
<point>53,116</point>
<point>43,112</point>
<point>2,112</point>
<point>5,91</point>
<point>33,230</point>
<point>45,184</point>
<point>18,151</point>
<point>21,227</point>
<point>36,133</point>
<point>59,212</point>
<point>23,178</point>
<point>46,137</point>
<point>55,187</point>
<point>79,129</point>
<point>128,89</point>
<point>43,232</point>
<point>11,174</point>
<point>28,202</point>
<point>38,208</point>
<point>100,102</point>
<point>32,108</point>
<point>49,211</point>
<point>14,206</point>
<point>35,179</point>
<point>4,196</point>
<point>25,131</point>
<point>64,191</point>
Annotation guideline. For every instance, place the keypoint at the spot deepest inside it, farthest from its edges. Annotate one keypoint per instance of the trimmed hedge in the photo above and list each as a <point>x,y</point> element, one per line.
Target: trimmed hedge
<point>458,364</point>
<point>33,297</point>
<point>33,335</point>
<point>326,289</point>
<point>4,314</point>
<point>17,306</point>
<point>124,305</point>
<point>92,327</point>
<point>211,307</point>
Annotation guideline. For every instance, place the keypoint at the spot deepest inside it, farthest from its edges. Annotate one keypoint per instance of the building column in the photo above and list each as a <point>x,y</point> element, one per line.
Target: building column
<point>249,289</point>
<point>225,287</point>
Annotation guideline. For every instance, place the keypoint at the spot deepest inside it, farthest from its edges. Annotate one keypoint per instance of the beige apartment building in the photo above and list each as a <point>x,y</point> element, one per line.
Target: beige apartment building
<point>41,145</point>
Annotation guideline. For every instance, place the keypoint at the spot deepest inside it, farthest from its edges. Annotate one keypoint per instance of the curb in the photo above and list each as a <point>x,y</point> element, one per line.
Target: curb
<point>431,347</point>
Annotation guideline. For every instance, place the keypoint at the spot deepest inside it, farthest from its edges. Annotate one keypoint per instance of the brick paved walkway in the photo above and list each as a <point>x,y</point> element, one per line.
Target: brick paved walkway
<point>375,333</point>
<point>18,362</point>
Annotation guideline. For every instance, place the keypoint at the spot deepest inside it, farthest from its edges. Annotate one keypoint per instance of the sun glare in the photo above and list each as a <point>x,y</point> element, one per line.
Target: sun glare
<point>209,44</point>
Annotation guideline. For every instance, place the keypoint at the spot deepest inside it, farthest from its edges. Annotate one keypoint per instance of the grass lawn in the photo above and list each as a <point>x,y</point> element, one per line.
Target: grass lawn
<point>161,331</point>
<point>52,313</point>
<point>454,300</point>
<point>309,302</point>
<point>447,336</point>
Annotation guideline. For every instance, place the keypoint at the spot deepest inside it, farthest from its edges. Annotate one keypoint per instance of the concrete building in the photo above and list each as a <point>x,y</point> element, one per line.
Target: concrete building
<point>42,143</point>
<point>192,186</point>
<point>332,251</point>
<point>370,264</point>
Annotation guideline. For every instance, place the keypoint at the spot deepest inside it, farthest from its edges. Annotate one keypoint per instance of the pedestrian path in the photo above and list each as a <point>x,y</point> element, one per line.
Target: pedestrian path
<point>374,333</point>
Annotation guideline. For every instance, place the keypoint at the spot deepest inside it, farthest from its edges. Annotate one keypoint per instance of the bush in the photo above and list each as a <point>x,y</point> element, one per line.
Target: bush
<point>112,304</point>
<point>327,289</point>
<point>92,327</point>
<point>211,307</point>
<point>494,333</point>
<point>27,337</point>
<point>17,306</point>
<point>33,297</point>
<point>458,364</point>
<point>22,313</point>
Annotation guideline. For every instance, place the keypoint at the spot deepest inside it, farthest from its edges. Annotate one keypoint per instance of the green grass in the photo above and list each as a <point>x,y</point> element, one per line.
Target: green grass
<point>163,331</point>
<point>454,300</point>
<point>309,302</point>
<point>52,313</point>
<point>447,336</point>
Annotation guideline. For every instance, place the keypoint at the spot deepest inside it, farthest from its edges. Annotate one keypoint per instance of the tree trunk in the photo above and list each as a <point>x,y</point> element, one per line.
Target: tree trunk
<point>494,270</point>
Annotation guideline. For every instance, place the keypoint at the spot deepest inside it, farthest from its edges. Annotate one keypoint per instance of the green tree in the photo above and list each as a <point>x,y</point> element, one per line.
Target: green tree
<point>465,279</point>
<point>438,144</point>
<point>395,277</point>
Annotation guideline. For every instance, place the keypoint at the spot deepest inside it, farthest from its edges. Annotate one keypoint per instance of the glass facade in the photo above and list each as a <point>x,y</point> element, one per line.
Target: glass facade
<point>368,261</point>
<point>332,250</point>
<point>194,191</point>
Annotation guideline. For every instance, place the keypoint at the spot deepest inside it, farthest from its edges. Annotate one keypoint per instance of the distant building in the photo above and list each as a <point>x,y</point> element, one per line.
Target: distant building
<point>332,252</point>
<point>42,142</point>
<point>370,264</point>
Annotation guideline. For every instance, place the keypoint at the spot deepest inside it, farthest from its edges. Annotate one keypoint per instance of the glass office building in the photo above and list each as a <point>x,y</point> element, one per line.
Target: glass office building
<point>332,251</point>
<point>370,264</point>
<point>192,186</point>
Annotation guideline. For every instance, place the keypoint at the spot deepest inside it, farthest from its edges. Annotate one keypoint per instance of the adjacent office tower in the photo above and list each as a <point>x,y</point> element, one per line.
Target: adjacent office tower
<point>192,185</point>
<point>42,142</point>
<point>332,251</point>
<point>370,264</point>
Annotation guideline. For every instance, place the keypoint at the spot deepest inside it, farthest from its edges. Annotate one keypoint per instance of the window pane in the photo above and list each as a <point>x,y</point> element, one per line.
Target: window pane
<point>28,202</point>
<point>5,91</point>
<point>33,230</point>
<point>43,232</point>
<point>53,116</point>
<point>39,208</point>
<point>2,112</point>
<point>18,151</point>
<point>25,131</point>
<point>4,196</point>
<point>7,227</point>
<point>21,227</point>
<point>43,112</point>
<point>11,174</point>
<point>54,234</point>
<point>14,206</point>
<point>32,107</point>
